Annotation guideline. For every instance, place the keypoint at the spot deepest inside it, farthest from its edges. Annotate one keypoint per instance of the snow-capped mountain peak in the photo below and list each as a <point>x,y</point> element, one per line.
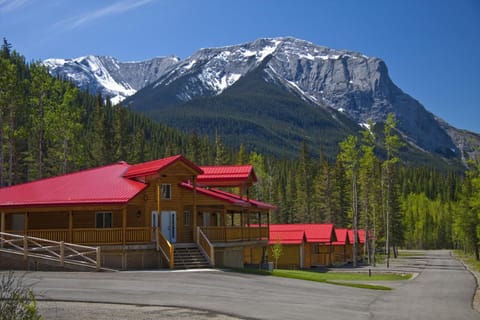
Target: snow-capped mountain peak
<point>114,79</point>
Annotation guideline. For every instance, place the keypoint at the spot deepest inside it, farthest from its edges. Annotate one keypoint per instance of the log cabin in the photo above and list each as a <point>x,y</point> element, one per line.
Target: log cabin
<point>303,246</point>
<point>141,215</point>
<point>342,248</point>
<point>361,248</point>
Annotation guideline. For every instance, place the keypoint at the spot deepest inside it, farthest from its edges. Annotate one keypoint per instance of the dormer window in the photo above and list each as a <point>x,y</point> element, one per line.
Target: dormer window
<point>166,191</point>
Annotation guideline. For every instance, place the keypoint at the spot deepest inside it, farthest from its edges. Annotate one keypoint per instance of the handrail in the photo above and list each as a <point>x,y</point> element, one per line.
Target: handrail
<point>164,246</point>
<point>235,233</point>
<point>206,246</point>
<point>49,249</point>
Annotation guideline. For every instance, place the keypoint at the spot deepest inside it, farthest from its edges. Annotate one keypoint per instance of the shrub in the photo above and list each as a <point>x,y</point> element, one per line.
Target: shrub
<point>17,302</point>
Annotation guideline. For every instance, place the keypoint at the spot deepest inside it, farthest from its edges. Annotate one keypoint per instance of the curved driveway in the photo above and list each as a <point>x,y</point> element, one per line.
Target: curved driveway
<point>442,290</point>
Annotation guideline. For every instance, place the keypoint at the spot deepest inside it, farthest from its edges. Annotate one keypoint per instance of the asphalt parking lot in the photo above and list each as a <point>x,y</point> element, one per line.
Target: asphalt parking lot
<point>443,289</point>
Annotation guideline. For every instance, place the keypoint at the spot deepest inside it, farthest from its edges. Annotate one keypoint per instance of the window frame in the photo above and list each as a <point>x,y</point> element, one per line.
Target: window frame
<point>166,191</point>
<point>104,224</point>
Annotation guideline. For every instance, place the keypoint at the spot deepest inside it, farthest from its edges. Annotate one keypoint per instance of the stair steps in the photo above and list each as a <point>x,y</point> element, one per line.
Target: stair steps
<point>189,256</point>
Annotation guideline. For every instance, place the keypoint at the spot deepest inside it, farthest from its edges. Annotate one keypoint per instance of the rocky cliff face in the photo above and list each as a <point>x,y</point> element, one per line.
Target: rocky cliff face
<point>108,76</point>
<point>350,82</point>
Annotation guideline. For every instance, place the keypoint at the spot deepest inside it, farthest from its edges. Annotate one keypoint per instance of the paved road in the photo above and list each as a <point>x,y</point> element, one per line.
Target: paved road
<point>442,290</point>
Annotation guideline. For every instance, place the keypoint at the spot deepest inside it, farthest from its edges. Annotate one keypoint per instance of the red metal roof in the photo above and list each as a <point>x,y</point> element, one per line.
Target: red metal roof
<point>152,167</point>
<point>360,235</point>
<point>317,233</point>
<point>226,176</point>
<point>286,236</point>
<point>112,184</point>
<point>256,203</point>
<point>103,185</point>
<point>342,237</point>
<point>216,194</point>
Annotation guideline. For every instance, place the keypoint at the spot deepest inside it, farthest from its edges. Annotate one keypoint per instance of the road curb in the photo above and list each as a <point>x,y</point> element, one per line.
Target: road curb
<point>476,275</point>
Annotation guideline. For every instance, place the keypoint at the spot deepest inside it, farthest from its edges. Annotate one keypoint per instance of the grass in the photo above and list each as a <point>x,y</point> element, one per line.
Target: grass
<point>337,278</point>
<point>468,259</point>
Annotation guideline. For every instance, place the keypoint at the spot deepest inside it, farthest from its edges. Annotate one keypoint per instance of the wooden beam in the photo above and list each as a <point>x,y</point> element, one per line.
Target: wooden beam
<point>70,226</point>
<point>2,227</point>
<point>25,223</point>
<point>2,223</point>
<point>124,225</point>
<point>194,208</point>
<point>158,199</point>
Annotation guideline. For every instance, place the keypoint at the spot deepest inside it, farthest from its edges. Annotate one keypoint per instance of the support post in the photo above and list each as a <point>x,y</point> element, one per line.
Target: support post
<point>25,224</point>
<point>2,223</point>
<point>98,259</point>
<point>70,226</point>
<point>195,238</point>
<point>25,247</point>
<point>62,253</point>
<point>124,225</point>
<point>2,227</point>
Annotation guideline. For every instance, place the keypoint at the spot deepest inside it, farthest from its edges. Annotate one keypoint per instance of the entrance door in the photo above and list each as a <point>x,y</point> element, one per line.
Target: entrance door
<point>169,225</point>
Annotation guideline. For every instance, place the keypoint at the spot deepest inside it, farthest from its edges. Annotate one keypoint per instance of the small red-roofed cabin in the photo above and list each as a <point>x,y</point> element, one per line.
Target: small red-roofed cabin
<point>360,243</point>
<point>303,245</point>
<point>342,248</point>
<point>139,214</point>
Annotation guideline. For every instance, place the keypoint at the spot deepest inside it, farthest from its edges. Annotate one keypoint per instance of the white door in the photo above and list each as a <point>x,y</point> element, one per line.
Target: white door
<point>169,225</point>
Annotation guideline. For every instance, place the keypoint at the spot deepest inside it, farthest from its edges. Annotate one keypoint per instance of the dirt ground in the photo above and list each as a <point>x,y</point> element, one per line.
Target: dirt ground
<point>57,310</point>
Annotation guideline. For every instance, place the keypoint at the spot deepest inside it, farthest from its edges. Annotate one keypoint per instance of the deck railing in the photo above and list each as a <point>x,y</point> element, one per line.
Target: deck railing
<point>226,234</point>
<point>166,248</point>
<point>206,246</point>
<point>59,251</point>
<point>97,236</point>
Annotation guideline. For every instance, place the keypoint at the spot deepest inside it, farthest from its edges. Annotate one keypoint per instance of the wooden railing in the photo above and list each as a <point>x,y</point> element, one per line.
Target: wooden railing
<point>139,234</point>
<point>206,246</point>
<point>103,236</point>
<point>50,234</point>
<point>50,250</point>
<point>164,246</point>
<point>226,234</point>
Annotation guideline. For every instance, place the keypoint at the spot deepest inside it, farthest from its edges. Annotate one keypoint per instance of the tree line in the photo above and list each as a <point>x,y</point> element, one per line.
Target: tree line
<point>48,127</point>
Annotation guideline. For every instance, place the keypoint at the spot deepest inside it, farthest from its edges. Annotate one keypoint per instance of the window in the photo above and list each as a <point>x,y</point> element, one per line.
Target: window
<point>166,191</point>
<point>103,219</point>
<point>187,218</point>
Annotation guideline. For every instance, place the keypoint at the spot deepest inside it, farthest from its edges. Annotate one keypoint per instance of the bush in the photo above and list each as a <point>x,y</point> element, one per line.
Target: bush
<point>16,301</point>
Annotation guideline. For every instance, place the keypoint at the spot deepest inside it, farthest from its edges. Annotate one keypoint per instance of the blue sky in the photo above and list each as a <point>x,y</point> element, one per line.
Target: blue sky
<point>431,47</point>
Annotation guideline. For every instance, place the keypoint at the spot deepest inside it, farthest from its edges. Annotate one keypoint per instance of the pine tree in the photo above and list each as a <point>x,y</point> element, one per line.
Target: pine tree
<point>221,157</point>
<point>368,189</point>
<point>349,155</point>
<point>392,212</point>
<point>303,186</point>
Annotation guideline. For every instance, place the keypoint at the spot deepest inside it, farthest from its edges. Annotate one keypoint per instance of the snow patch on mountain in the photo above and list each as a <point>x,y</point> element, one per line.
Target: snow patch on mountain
<point>112,78</point>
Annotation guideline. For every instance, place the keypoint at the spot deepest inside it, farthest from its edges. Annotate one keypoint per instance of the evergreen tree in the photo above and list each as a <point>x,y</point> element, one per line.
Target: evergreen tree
<point>369,189</point>
<point>221,157</point>
<point>349,155</point>
<point>303,186</point>
<point>393,228</point>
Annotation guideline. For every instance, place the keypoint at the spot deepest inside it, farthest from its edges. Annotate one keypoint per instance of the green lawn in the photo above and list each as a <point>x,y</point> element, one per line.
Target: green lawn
<point>337,278</point>
<point>468,259</point>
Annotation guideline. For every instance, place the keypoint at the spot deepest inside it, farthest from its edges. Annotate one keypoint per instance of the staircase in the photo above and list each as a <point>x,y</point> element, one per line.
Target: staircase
<point>188,256</point>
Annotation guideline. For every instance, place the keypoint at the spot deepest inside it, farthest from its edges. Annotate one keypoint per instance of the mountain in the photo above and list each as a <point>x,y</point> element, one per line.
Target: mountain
<point>272,93</point>
<point>108,76</point>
